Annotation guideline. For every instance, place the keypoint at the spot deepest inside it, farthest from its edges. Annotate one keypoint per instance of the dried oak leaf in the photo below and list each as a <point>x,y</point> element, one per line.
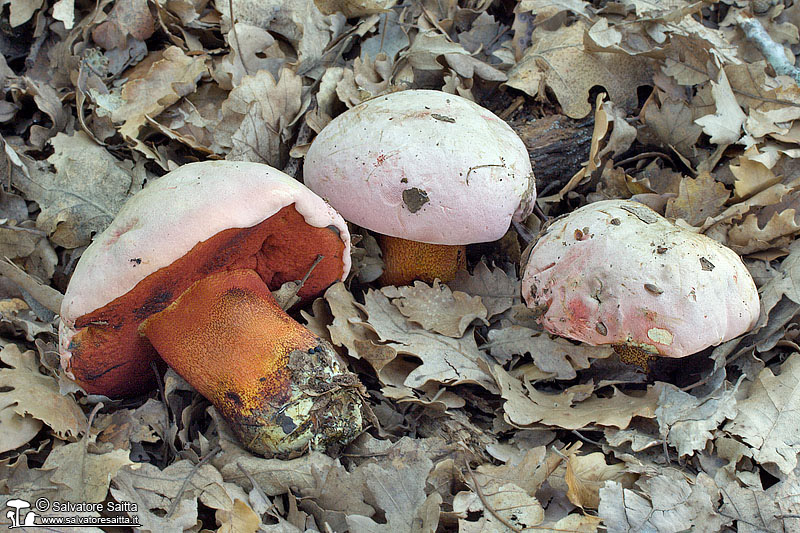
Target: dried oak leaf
<point>525,406</point>
<point>506,500</point>
<point>558,59</point>
<point>272,476</point>
<point>156,83</point>
<point>18,241</point>
<point>84,193</point>
<point>427,47</point>
<point>757,510</point>
<point>396,485</point>
<point>536,6</point>
<point>336,493</point>
<point>586,475</point>
<point>301,23</point>
<point>444,359</point>
<point>754,172</point>
<point>344,330</point>
<point>257,115</point>
<point>17,430</point>
<point>698,199</point>
<point>673,505</point>
<point>354,8</point>
<point>552,355</point>
<point>156,490</point>
<point>153,492</point>
<point>687,422</point>
<point>239,518</point>
<point>125,426</point>
<point>29,393</point>
<point>748,236</point>
<point>724,126</point>
<point>672,122</point>
<point>83,476</point>
<point>252,49</point>
<point>786,281</point>
<point>21,11</point>
<point>127,17</point>
<point>437,308</point>
<point>769,417</point>
<point>498,289</point>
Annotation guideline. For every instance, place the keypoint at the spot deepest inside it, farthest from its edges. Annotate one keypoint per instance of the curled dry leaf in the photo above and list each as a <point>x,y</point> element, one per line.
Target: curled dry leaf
<point>698,199</point>
<point>127,17</point>
<point>724,126</point>
<point>437,308</point>
<point>29,393</point>
<point>156,84</point>
<point>754,172</point>
<point>586,475</point>
<point>553,355</point>
<point>257,115</point>
<point>557,59</point>
<point>444,359</point>
<point>301,23</point>
<point>526,406</point>
<point>84,193</point>
<point>82,476</point>
<point>769,417</point>
<point>497,289</point>
<point>750,236</point>
<point>687,422</point>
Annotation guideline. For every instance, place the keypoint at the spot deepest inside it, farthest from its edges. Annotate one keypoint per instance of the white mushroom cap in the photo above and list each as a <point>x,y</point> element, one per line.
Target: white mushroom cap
<point>425,166</point>
<point>616,272</point>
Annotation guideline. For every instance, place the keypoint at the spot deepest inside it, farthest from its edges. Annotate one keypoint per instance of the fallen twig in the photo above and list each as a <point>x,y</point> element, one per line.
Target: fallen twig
<point>773,52</point>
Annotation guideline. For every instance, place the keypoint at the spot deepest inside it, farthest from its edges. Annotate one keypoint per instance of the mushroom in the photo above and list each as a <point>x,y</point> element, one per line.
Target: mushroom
<point>184,272</point>
<point>429,171</point>
<point>616,272</point>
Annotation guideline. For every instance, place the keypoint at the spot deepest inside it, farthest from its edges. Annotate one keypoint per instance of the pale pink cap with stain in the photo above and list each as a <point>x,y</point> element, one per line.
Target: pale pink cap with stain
<point>616,272</point>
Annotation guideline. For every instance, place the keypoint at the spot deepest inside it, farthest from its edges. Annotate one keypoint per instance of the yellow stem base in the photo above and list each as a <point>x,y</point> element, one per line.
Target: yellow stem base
<point>406,261</point>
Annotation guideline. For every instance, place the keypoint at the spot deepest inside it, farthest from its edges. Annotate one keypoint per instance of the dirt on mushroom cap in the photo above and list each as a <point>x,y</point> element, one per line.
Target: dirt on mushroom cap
<point>615,272</point>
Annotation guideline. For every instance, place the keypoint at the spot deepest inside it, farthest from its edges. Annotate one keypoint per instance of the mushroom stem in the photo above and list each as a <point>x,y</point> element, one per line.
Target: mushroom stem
<point>277,384</point>
<point>634,355</point>
<point>406,261</point>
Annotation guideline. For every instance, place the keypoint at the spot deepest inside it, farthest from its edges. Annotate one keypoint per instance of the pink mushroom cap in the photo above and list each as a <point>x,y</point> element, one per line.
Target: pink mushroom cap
<point>425,166</point>
<point>616,272</point>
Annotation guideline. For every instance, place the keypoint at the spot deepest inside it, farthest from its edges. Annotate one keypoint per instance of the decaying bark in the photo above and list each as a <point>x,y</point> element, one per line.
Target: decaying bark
<point>557,145</point>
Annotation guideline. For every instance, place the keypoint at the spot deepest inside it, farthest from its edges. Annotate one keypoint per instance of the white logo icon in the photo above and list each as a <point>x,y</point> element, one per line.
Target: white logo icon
<point>14,515</point>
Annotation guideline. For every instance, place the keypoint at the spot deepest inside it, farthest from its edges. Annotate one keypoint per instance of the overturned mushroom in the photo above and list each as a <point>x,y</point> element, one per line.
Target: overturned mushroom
<point>429,171</point>
<point>615,272</point>
<point>184,272</point>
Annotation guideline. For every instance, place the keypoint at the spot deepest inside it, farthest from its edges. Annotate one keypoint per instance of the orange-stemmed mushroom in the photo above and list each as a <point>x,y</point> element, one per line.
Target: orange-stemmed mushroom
<point>184,272</point>
<point>429,171</point>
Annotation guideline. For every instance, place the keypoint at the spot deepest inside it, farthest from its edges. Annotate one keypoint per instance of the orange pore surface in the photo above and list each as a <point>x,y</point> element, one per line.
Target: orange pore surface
<point>108,354</point>
<point>231,341</point>
<point>405,261</point>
